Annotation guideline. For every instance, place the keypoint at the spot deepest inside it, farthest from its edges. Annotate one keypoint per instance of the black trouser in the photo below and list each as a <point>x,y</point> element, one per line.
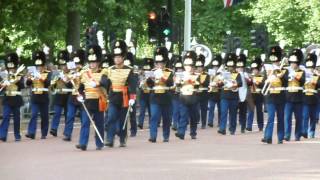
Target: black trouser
<point>242,106</point>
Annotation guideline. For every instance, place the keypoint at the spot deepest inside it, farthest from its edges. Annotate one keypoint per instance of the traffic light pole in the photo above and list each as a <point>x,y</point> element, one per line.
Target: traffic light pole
<point>187,25</point>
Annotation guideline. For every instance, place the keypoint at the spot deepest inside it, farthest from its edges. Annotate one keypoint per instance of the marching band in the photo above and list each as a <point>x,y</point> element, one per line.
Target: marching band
<point>108,89</point>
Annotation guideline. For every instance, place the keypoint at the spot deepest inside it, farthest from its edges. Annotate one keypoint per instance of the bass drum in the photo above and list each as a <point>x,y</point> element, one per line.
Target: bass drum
<point>205,50</point>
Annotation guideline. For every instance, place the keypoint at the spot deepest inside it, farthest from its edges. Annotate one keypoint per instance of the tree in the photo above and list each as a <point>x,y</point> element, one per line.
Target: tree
<point>295,21</point>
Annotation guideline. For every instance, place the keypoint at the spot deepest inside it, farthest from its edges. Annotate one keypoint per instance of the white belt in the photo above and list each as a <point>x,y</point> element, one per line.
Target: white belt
<point>160,88</point>
<point>310,91</point>
<point>294,88</point>
<point>277,89</point>
<point>258,90</point>
<point>203,89</point>
<point>13,93</point>
<point>64,90</point>
<point>40,89</point>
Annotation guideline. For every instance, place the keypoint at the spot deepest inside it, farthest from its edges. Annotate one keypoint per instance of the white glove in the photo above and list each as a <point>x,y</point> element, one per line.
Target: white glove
<point>308,80</point>
<point>213,84</point>
<point>272,78</point>
<point>131,102</point>
<point>177,80</point>
<point>186,76</point>
<point>6,83</point>
<point>229,84</point>
<point>158,73</point>
<point>61,75</point>
<point>37,75</point>
<point>80,98</point>
<point>92,84</point>
<point>141,84</point>
<point>292,75</point>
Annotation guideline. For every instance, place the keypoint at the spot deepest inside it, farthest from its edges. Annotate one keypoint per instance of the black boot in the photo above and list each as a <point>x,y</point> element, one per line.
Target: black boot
<point>31,136</point>
<point>53,132</point>
<point>82,147</point>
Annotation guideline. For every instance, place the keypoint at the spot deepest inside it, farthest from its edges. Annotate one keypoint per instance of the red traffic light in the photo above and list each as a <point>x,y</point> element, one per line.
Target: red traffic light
<point>152,15</point>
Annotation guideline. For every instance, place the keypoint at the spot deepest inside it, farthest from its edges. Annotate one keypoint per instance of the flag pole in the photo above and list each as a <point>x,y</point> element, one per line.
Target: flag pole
<point>187,25</point>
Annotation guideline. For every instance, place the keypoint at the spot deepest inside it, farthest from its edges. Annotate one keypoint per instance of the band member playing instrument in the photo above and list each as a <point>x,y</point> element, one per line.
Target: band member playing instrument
<point>214,91</point>
<point>295,79</point>
<point>275,99</point>
<point>78,57</point>
<point>39,80</point>
<point>148,65</point>
<point>202,92</point>
<point>178,69</point>
<point>188,98</point>
<point>60,91</point>
<point>12,99</point>
<point>256,87</point>
<point>243,90</point>
<point>310,97</point>
<point>230,81</point>
<point>160,98</point>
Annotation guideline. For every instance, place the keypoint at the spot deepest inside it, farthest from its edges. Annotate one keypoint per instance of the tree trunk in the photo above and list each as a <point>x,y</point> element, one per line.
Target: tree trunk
<point>73,26</point>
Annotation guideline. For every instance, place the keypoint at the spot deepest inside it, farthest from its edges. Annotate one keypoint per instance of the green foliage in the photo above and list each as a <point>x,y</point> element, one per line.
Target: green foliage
<point>295,21</point>
<point>30,24</point>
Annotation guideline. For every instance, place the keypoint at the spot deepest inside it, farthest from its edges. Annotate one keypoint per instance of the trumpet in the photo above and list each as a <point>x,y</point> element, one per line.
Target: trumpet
<point>13,77</point>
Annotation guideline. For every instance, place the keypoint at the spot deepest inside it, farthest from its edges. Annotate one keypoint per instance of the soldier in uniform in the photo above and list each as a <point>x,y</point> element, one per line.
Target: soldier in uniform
<point>295,79</point>
<point>78,57</point>
<point>12,100</point>
<point>58,85</point>
<point>255,88</point>
<point>122,94</point>
<point>160,98</point>
<point>129,61</point>
<point>178,68</point>
<point>243,90</point>
<point>230,81</point>
<point>214,90</point>
<point>39,81</point>
<point>145,91</point>
<point>202,92</point>
<point>93,85</point>
<point>188,97</point>
<point>275,99</point>
<point>310,97</point>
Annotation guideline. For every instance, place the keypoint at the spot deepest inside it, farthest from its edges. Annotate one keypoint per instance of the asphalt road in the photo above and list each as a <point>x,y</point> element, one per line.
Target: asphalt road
<point>211,156</point>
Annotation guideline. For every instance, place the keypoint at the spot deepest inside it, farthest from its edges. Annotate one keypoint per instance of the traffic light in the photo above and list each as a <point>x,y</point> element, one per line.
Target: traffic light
<point>165,24</point>
<point>236,43</point>
<point>152,26</point>
<point>259,38</point>
<point>231,43</point>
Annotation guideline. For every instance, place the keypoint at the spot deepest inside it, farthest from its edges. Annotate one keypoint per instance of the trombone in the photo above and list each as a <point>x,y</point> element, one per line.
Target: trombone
<point>267,85</point>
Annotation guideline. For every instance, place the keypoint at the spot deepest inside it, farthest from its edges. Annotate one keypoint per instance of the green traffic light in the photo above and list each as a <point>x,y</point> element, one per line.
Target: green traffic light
<point>166,31</point>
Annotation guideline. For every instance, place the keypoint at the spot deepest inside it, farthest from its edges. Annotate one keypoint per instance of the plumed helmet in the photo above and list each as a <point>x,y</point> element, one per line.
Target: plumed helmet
<point>39,58</point>
<point>62,57</point>
<point>189,58</point>
<point>161,55</point>
<point>120,48</point>
<point>12,60</point>
<point>94,54</point>
<point>275,54</point>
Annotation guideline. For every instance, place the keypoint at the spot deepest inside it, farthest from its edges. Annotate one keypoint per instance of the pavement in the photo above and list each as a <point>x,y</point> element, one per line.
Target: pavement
<point>210,156</point>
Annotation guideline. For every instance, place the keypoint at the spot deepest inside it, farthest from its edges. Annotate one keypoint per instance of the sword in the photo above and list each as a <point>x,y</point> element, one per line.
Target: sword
<point>92,122</point>
<point>127,117</point>
<point>90,118</point>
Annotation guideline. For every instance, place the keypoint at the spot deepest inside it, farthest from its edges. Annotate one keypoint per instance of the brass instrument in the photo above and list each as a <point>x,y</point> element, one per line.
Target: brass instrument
<point>12,77</point>
<point>267,85</point>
